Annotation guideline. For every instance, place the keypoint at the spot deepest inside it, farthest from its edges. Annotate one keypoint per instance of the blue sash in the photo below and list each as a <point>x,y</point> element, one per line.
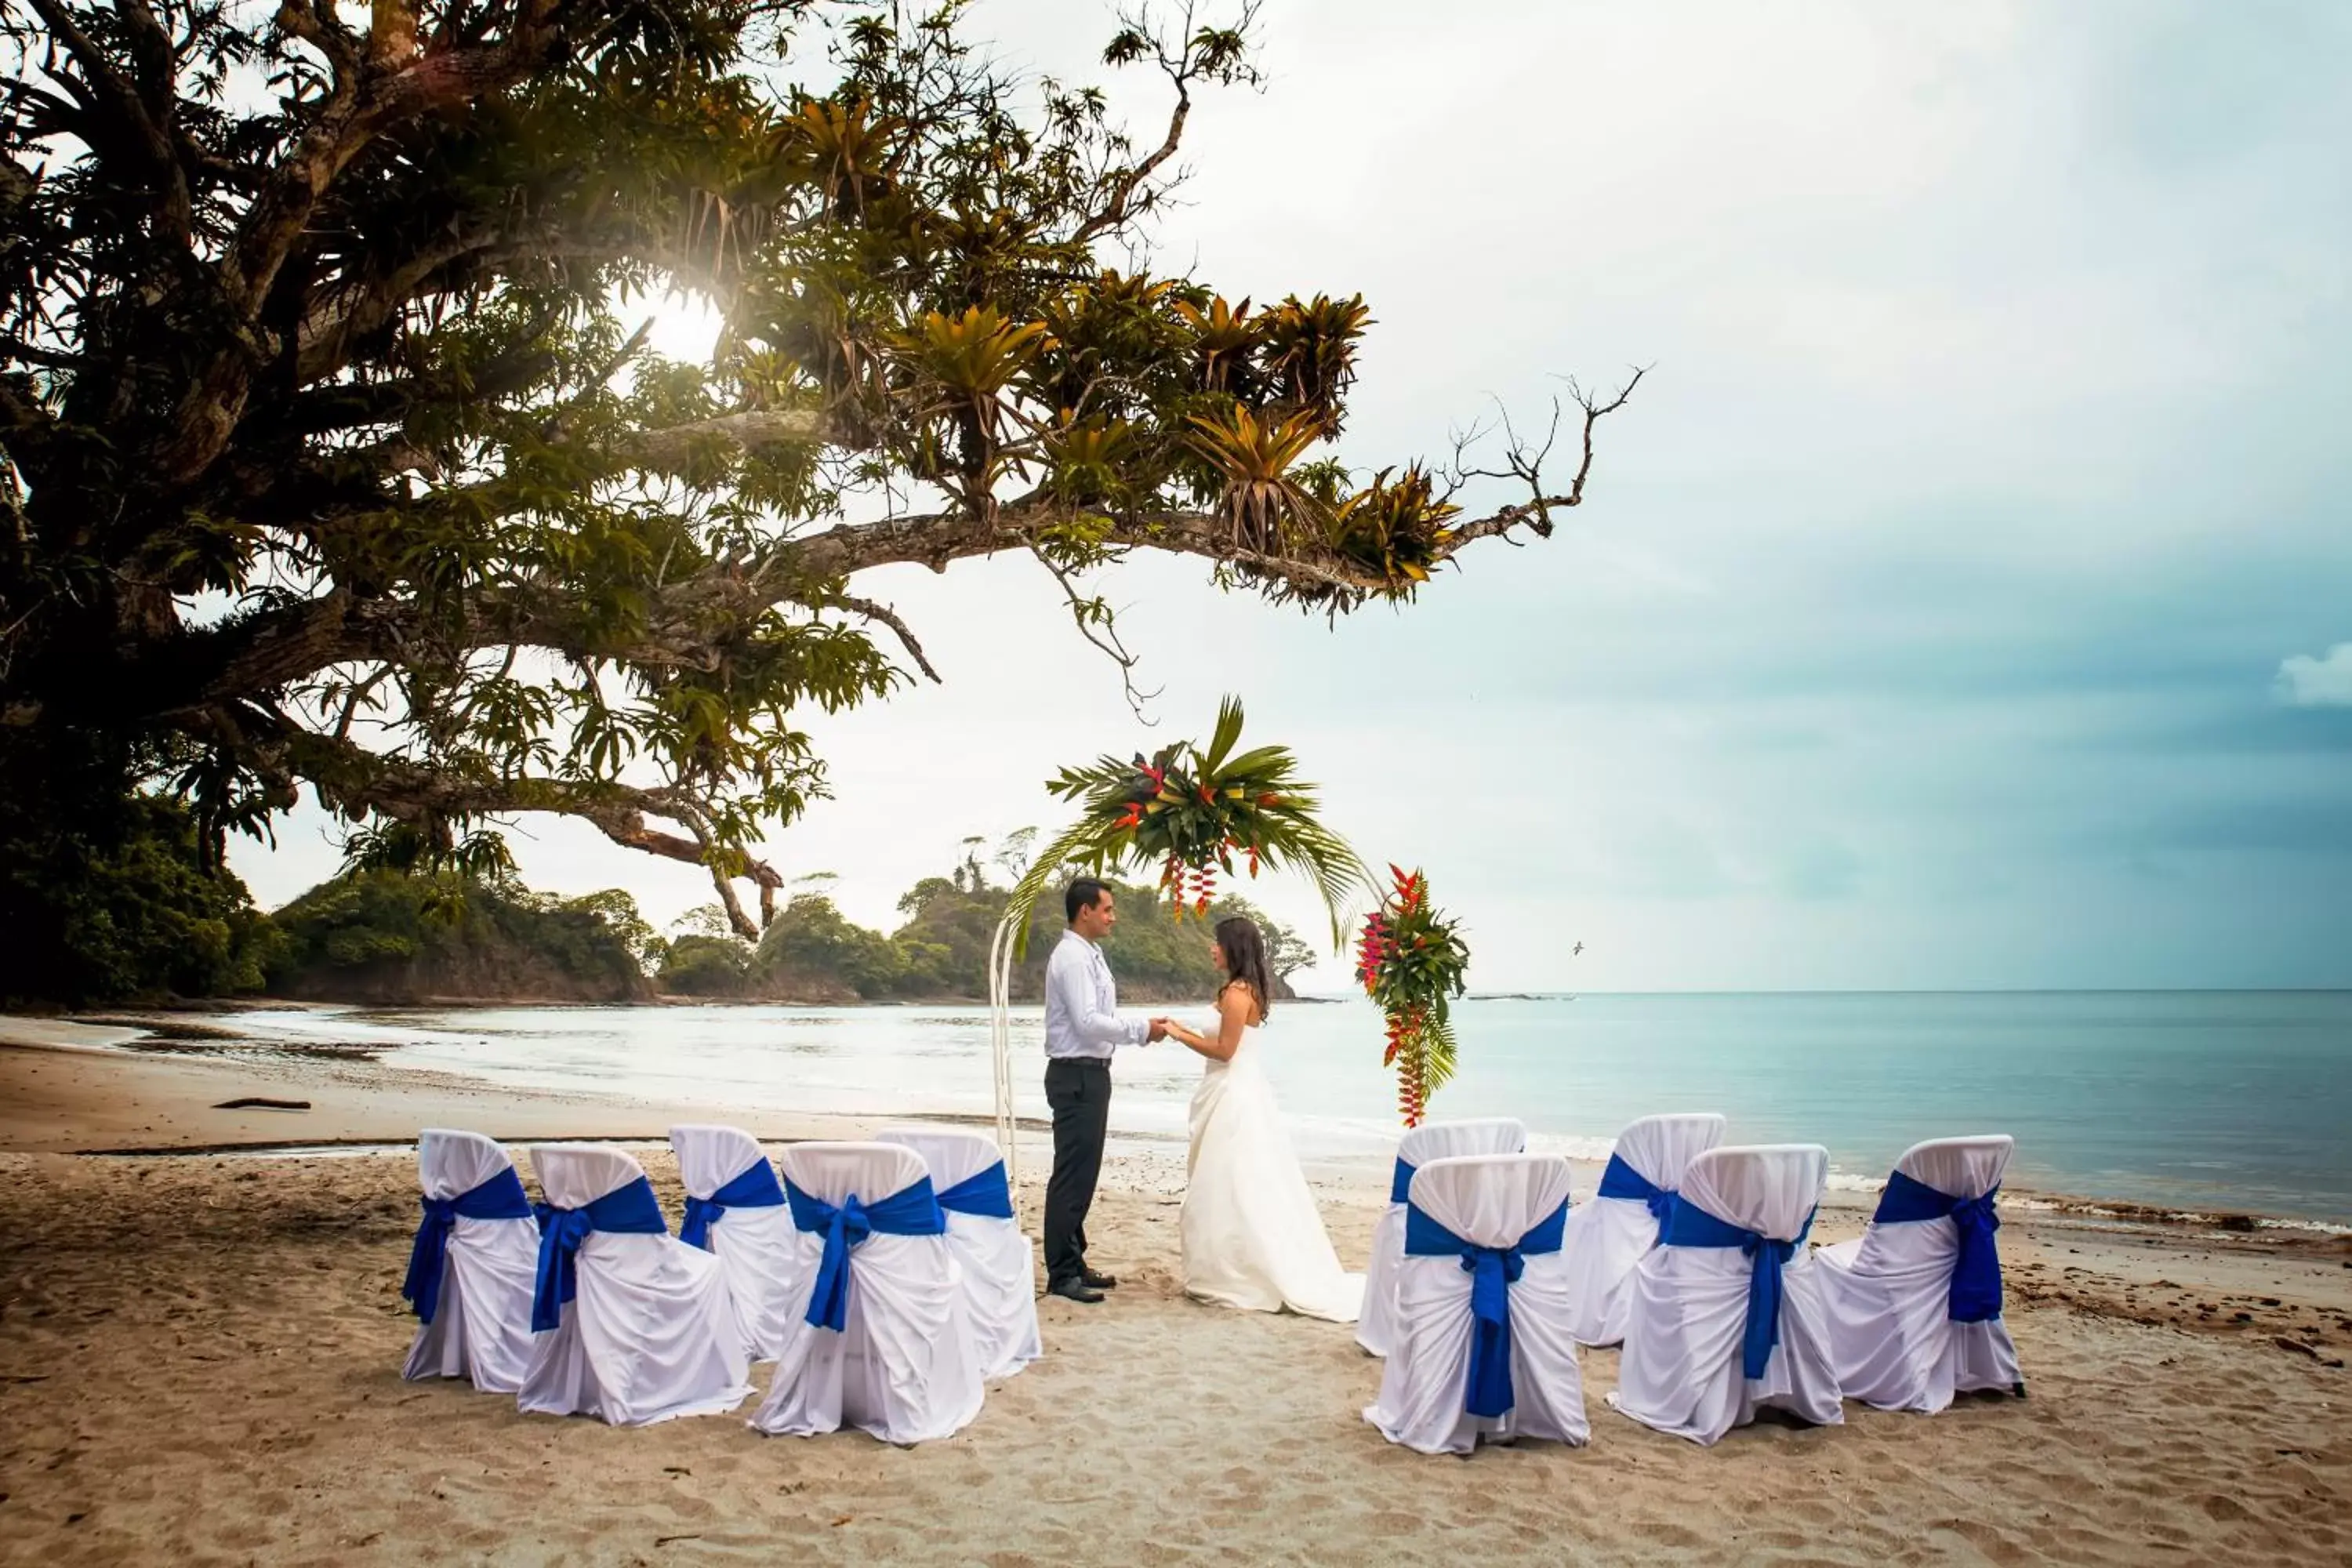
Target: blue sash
<point>1620,1180</point>
<point>1492,1270</point>
<point>913,1210</point>
<point>1401,1182</point>
<point>1690,1226</point>
<point>987,1194</point>
<point>632,1210</point>
<point>1976,1278</point>
<point>500,1197</point>
<point>754,1187</point>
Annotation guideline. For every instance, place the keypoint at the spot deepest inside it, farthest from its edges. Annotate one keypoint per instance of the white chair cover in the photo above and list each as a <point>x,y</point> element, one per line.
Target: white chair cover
<point>1490,1200</point>
<point>1888,1294</point>
<point>1376,1326</point>
<point>903,1366</point>
<point>1000,1270</point>
<point>1607,1237</point>
<point>1682,1370</point>
<point>651,1333</point>
<point>753,1245</point>
<point>481,1321</point>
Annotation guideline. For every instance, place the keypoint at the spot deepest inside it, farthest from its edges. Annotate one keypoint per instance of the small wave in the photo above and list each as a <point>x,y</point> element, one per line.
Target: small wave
<point>1586,1150</point>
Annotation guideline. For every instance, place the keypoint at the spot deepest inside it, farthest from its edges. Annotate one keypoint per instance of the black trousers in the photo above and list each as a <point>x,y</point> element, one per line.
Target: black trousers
<point>1079,1093</point>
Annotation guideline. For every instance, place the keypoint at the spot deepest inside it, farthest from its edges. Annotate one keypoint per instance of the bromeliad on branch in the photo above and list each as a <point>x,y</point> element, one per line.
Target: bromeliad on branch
<point>1411,960</point>
<point>1198,812</point>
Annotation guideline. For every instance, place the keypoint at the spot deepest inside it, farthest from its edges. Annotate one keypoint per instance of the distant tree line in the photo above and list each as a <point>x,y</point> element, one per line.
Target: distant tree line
<point>811,952</point>
<point>146,919</point>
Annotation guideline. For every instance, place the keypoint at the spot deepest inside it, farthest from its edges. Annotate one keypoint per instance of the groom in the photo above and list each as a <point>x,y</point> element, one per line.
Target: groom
<point>1082,1028</point>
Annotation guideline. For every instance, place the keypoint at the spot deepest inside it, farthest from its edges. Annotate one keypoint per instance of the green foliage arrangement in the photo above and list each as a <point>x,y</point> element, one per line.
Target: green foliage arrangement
<point>1411,961</point>
<point>1194,811</point>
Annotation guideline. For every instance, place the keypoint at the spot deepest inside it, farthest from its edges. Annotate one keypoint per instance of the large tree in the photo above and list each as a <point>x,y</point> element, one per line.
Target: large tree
<point>332,454</point>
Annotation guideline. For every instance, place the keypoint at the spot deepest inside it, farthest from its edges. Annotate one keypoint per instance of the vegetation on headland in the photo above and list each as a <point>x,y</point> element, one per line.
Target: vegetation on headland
<point>385,938</point>
<point>382,938</point>
<point>812,952</point>
<point>334,461</point>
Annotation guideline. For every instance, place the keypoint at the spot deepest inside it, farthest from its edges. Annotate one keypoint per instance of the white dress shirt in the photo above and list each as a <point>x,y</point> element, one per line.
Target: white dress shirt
<point>1082,1017</point>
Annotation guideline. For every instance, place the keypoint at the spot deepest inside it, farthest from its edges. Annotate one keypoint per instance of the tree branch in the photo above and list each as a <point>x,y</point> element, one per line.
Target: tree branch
<point>890,617</point>
<point>749,432</point>
<point>355,781</point>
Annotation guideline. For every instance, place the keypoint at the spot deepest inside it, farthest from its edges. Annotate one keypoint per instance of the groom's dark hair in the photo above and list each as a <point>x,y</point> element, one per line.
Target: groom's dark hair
<point>1083,894</point>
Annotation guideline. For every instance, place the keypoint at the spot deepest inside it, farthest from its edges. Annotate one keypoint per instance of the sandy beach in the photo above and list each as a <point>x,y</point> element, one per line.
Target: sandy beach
<point>199,1357</point>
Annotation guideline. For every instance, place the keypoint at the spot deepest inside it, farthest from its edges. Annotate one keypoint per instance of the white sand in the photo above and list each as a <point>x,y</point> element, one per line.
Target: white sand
<point>199,1358</point>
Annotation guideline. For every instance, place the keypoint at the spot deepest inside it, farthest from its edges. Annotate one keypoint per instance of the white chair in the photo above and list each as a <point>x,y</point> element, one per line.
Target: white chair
<point>880,1338</point>
<point>634,1325</point>
<point>1431,1140</point>
<point>1000,1269</point>
<point>735,1211</point>
<point>1914,1304</point>
<point>1616,1230</point>
<point>1727,1313</point>
<point>472,1264</point>
<point>1480,1349</point>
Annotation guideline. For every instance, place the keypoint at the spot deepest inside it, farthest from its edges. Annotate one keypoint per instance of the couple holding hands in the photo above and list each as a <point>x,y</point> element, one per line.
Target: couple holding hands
<point>1251,1237</point>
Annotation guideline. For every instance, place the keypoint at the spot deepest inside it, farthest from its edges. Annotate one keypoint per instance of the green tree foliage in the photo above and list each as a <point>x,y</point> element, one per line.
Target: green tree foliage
<point>125,906</point>
<point>812,952</point>
<point>618,909</point>
<point>331,455</point>
<point>385,936</point>
<point>715,967</point>
<point>811,945</point>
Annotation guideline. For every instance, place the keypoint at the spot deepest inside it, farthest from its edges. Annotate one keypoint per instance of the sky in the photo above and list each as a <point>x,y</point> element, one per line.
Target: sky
<point>1964,601</point>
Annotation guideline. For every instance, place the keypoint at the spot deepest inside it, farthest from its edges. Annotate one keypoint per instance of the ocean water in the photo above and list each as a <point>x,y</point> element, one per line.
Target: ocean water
<point>2239,1100</point>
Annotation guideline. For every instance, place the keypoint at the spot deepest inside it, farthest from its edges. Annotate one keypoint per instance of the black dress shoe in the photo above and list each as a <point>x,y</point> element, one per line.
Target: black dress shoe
<point>1074,1290</point>
<point>1100,1281</point>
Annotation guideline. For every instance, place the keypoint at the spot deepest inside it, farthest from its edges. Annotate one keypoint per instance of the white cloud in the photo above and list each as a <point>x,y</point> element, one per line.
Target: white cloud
<point>2325,682</point>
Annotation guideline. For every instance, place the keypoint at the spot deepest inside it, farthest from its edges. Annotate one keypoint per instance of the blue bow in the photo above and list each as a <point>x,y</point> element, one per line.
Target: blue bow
<point>1620,1180</point>
<point>1690,1226</point>
<point>500,1197</point>
<point>1493,1270</point>
<point>913,1210</point>
<point>632,1210</point>
<point>752,1187</point>
<point>1976,1277</point>
<point>987,1194</point>
<point>1401,1182</point>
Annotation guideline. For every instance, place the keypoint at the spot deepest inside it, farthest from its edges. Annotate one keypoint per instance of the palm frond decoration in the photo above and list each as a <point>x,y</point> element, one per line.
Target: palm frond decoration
<point>1411,961</point>
<point>1197,812</point>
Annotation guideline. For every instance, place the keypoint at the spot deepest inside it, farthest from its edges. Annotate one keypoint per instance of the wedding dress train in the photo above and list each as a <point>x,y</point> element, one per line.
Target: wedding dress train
<point>1253,1238</point>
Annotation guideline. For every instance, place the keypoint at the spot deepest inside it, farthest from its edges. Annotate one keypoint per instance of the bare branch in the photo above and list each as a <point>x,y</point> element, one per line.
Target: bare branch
<point>1098,625</point>
<point>1218,54</point>
<point>890,617</point>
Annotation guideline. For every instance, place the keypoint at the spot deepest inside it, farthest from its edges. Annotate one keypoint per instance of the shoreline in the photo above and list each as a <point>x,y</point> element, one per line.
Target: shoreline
<point>124,1033</point>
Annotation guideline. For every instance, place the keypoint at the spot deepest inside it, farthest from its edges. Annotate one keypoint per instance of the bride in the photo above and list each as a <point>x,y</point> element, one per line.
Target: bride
<point>1251,1237</point>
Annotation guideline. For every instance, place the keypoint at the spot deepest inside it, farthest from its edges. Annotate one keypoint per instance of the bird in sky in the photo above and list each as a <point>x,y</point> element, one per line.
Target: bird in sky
<point>1577,949</point>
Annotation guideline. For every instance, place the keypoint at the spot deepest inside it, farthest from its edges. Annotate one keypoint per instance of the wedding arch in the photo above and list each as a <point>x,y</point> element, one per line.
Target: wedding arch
<point>1195,812</point>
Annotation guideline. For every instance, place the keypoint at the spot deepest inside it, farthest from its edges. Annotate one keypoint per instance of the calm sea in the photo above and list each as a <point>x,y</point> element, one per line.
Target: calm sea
<point>2196,1099</point>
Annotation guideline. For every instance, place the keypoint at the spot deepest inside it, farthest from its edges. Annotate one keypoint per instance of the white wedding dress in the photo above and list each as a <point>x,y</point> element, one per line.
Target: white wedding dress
<point>1252,1236</point>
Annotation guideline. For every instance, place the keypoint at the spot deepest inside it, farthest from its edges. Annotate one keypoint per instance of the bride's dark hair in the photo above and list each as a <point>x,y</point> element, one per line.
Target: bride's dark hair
<point>1244,946</point>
